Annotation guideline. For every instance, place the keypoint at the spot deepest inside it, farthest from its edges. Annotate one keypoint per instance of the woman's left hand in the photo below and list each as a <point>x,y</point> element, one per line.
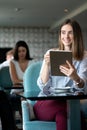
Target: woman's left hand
<point>69,70</point>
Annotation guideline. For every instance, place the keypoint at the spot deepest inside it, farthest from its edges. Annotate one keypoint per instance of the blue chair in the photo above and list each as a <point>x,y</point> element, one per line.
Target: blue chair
<point>30,83</point>
<point>5,80</point>
<point>83,104</point>
<point>6,85</point>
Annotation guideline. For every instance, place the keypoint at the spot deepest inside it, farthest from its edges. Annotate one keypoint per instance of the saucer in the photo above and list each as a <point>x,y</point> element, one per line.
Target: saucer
<point>60,89</point>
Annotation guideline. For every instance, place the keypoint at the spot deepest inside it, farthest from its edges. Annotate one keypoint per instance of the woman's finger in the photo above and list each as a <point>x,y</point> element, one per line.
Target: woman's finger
<point>69,64</point>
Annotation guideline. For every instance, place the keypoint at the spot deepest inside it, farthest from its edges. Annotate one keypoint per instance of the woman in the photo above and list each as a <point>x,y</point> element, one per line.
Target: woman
<point>18,65</point>
<point>20,62</point>
<point>70,39</point>
<point>9,57</point>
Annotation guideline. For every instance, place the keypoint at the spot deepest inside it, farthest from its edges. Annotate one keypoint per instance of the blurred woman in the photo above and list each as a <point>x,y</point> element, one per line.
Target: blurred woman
<point>18,65</point>
<point>20,62</point>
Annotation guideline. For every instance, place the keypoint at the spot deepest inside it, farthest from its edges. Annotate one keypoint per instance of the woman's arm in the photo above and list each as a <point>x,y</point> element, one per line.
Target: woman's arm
<point>71,72</point>
<point>13,74</point>
<point>45,69</point>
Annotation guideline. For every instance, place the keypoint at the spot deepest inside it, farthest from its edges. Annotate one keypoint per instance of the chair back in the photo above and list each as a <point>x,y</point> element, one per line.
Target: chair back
<point>30,83</point>
<point>5,79</point>
<point>30,76</point>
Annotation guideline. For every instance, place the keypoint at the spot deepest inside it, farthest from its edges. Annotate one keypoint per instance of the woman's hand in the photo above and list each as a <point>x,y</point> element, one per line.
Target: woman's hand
<point>47,58</point>
<point>45,69</point>
<point>69,70</point>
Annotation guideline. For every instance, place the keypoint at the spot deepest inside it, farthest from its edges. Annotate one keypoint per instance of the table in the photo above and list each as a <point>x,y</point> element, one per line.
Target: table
<point>73,102</point>
<point>15,86</point>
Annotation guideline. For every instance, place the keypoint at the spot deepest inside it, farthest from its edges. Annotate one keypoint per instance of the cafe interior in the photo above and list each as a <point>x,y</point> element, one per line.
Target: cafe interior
<point>37,22</point>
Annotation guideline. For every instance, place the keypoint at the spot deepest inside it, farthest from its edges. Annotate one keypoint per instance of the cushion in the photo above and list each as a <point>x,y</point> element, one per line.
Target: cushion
<point>31,112</point>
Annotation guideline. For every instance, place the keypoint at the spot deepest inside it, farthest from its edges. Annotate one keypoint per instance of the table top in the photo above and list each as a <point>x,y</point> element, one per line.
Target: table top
<point>14,86</point>
<point>47,95</point>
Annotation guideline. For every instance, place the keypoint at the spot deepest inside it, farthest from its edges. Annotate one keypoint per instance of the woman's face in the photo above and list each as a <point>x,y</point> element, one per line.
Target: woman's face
<point>67,36</point>
<point>22,52</point>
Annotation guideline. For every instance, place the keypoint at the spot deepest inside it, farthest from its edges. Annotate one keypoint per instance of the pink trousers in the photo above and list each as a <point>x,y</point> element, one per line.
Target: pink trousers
<point>52,110</point>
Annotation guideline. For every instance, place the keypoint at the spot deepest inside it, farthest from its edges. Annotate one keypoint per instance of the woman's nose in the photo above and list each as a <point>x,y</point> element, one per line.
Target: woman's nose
<point>67,35</point>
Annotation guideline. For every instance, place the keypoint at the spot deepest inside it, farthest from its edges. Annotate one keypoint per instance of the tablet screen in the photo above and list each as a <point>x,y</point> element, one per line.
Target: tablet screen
<point>58,58</point>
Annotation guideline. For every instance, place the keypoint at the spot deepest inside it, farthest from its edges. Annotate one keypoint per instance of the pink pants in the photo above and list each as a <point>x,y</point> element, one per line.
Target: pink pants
<point>52,110</point>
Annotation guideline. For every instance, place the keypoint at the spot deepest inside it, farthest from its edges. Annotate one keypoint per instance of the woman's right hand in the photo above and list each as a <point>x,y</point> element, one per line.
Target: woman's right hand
<point>47,59</point>
<point>45,68</point>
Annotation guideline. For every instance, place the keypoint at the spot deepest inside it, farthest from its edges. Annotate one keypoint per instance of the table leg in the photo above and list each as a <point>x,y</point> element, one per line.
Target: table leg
<point>74,117</point>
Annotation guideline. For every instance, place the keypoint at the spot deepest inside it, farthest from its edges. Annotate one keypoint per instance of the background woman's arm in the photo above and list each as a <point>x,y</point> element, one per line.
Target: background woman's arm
<point>13,74</point>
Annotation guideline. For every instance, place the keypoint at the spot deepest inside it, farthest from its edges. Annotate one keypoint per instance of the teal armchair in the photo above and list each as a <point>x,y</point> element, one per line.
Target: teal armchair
<point>5,80</point>
<point>30,83</point>
<point>6,85</point>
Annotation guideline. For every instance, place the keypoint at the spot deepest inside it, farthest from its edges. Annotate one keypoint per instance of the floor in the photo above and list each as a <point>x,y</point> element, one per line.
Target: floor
<point>18,120</point>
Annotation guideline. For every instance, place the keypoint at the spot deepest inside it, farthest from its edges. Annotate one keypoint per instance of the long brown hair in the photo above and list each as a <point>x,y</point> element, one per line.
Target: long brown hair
<point>77,45</point>
<point>21,44</point>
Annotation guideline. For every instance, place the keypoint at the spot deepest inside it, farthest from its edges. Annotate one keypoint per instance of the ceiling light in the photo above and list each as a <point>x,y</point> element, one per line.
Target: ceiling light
<point>66,10</point>
<point>18,9</point>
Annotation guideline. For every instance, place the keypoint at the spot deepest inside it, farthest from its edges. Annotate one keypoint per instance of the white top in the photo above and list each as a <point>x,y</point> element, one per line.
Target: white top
<point>20,74</point>
<point>64,81</point>
<point>5,63</point>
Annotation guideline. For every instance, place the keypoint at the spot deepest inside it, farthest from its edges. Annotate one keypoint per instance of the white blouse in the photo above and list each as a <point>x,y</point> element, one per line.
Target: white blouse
<point>19,72</point>
<point>20,75</point>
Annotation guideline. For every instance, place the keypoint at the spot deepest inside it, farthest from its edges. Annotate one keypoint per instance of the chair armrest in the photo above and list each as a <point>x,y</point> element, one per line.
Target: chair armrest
<point>27,111</point>
<point>83,105</point>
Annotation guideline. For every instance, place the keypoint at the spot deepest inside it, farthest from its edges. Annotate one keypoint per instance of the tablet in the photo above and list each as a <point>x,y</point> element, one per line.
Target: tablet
<point>58,58</point>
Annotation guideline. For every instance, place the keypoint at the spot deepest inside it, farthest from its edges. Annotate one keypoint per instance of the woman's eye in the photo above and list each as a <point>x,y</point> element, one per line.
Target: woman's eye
<point>63,32</point>
<point>70,32</point>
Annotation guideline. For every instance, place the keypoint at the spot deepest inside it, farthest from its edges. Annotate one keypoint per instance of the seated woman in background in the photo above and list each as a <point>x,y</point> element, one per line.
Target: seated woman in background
<point>18,65</point>
<point>20,62</point>
<point>9,57</point>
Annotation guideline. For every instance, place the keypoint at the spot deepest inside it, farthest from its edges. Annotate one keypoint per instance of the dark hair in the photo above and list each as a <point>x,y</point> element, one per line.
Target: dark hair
<point>23,44</point>
<point>77,46</point>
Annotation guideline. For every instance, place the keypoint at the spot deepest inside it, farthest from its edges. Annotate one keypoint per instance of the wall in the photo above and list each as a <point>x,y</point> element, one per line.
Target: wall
<point>39,40</point>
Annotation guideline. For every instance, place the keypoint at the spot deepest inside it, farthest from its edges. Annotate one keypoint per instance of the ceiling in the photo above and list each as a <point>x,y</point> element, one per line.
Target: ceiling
<point>41,13</point>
